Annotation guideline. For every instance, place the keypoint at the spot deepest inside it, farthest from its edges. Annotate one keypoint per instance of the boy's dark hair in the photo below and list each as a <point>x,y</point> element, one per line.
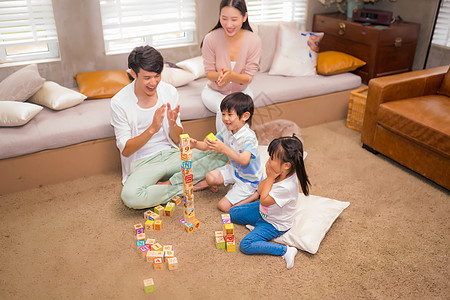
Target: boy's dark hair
<point>290,149</point>
<point>146,58</point>
<point>239,102</point>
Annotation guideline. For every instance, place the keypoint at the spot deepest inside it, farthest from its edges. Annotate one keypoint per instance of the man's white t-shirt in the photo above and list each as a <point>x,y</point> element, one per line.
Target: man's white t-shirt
<point>159,141</point>
<point>281,214</point>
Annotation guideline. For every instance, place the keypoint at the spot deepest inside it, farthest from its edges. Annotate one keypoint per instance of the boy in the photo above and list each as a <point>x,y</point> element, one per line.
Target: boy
<point>238,142</point>
<point>146,121</point>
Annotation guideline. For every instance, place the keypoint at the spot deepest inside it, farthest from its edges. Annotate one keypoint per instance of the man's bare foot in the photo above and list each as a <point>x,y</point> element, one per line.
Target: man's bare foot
<point>164,182</point>
<point>214,188</point>
<point>201,185</point>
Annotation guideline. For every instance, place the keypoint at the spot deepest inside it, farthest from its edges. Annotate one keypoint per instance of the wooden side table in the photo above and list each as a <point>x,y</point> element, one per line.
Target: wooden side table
<point>387,50</point>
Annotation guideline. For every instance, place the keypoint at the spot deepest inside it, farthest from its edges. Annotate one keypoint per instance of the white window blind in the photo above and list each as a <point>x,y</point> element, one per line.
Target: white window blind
<point>158,23</point>
<point>277,10</point>
<point>441,35</point>
<point>27,31</point>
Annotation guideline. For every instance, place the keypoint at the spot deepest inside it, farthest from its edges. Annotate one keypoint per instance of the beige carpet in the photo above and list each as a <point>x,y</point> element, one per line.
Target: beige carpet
<point>75,240</point>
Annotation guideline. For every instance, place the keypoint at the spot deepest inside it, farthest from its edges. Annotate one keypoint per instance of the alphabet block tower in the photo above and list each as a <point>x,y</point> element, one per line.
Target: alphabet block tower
<point>189,222</point>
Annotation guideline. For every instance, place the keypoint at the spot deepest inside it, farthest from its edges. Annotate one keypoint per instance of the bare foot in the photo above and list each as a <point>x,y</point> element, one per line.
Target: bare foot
<point>214,188</point>
<point>201,185</point>
<point>164,182</point>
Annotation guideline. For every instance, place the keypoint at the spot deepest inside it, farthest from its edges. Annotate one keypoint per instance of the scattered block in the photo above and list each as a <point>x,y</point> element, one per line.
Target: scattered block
<point>157,247</point>
<point>168,254</point>
<point>225,216</point>
<point>149,224</point>
<point>168,210</point>
<point>154,216</point>
<point>182,223</point>
<point>150,242</point>
<point>228,229</point>
<point>196,224</point>
<point>172,263</point>
<point>218,234</point>
<point>158,225</point>
<point>149,286</point>
<point>229,238</point>
<point>140,243</point>
<point>153,254</point>
<point>140,236</point>
<point>159,210</point>
<point>147,214</point>
<point>231,246</point>
<point>220,242</point>
<point>167,248</point>
<point>158,263</point>
<point>211,137</point>
<point>177,200</point>
<point>189,227</point>
<point>137,226</point>
<point>143,251</point>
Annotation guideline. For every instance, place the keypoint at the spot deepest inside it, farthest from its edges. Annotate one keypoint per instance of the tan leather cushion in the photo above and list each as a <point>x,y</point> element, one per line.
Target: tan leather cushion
<point>101,84</point>
<point>423,120</point>
<point>334,62</point>
<point>445,87</point>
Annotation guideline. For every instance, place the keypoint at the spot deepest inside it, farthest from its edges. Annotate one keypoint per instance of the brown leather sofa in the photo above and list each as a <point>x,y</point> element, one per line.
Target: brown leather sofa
<point>407,119</point>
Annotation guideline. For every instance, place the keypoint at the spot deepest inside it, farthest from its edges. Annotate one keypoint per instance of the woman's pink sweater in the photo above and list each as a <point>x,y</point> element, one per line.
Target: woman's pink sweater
<point>215,57</point>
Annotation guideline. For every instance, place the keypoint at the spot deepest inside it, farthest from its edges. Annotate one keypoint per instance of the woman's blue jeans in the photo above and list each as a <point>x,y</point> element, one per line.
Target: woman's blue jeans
<point>257,241</point>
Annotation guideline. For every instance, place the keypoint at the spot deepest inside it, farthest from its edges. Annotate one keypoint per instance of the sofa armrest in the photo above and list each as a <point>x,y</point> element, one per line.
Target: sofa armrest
<point>397,87</point>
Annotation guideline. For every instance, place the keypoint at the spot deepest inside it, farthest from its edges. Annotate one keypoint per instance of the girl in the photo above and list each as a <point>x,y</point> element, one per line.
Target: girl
<point>273,214</point>
<point>231,53</point>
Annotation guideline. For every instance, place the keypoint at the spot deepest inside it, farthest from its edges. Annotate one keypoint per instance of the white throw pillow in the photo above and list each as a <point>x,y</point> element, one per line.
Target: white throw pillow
<point>57,97</point>
<point>296,52</point>
<point>193,65</point>
<point>14,113</point>
<point>21,85</point>
<point>176,77</point>
<point>314,216</point>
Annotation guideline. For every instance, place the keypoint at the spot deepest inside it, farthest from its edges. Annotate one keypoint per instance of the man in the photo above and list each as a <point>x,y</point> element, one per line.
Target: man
<point>146,121</point>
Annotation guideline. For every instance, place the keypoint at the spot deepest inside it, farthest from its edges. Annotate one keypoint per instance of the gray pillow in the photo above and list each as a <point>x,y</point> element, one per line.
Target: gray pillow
<point>21,85</point>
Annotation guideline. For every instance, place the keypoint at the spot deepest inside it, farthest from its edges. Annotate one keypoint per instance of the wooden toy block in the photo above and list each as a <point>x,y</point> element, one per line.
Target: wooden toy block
<point>185,172</point>
<point>159,210</point>
<point>189,211</point>
<point>189,194</point>
<point>189,178</point>
<point>186,166</point>
<point>149,286</point>
<point>167,248</point>
<point>184,139</point>
<point>154,216</point>
<point>158,263</point>
<point>226,221</point>
<point>152,254</point>
<point>225,216</point>
<point>185,149</point>
<point>140,236</point>
<point>158,224</point>
<point>228,229</point>
<point>150,242</point>
<point>196,224</point>
<point>211,137</point>
<point>189,219</point>
<point>140,230</point>
<point>137,227</point>
<point>169,209</point>
<point>168,254</point>
<point>143,251</point>
<point>187,186</point>
<point>186,156</point>
<point>157,247</point>
<point>182,223</point>
<point>177,200</point>
<point>149,225</point>
<point>147,214</point>
<point>188,205</point>
<point>220,242</point>
<point>172,263</point>
<point>218,234</point>
<point>231,246</point>
<point>189,227</point>
<point>229,238</point>
<point>140,243</point>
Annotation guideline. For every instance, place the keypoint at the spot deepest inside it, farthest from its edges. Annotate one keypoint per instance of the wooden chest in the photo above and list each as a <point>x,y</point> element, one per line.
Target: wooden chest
<point>386,49</point>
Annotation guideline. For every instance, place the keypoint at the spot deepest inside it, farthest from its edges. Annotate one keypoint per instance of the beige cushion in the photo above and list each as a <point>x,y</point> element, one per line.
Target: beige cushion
<point>21,85</point>
<point>14,113</point>
<point>56,97</point>
<point>193,65</point>
<point>296,53</point>
<point>268,34</point>
<point>176,77</point>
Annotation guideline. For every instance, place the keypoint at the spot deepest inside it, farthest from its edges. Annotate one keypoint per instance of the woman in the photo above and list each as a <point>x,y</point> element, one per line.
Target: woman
<point>231,53</point>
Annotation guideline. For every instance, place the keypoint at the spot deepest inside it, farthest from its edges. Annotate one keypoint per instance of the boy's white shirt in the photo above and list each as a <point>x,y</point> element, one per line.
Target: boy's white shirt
<point>124,118</point>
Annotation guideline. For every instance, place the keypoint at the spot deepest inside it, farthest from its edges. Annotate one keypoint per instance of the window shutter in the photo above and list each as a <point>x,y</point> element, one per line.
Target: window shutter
<point>441,35</point>
<point>131,23</point>
<point>277,10</point>
<point>27,30</point>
